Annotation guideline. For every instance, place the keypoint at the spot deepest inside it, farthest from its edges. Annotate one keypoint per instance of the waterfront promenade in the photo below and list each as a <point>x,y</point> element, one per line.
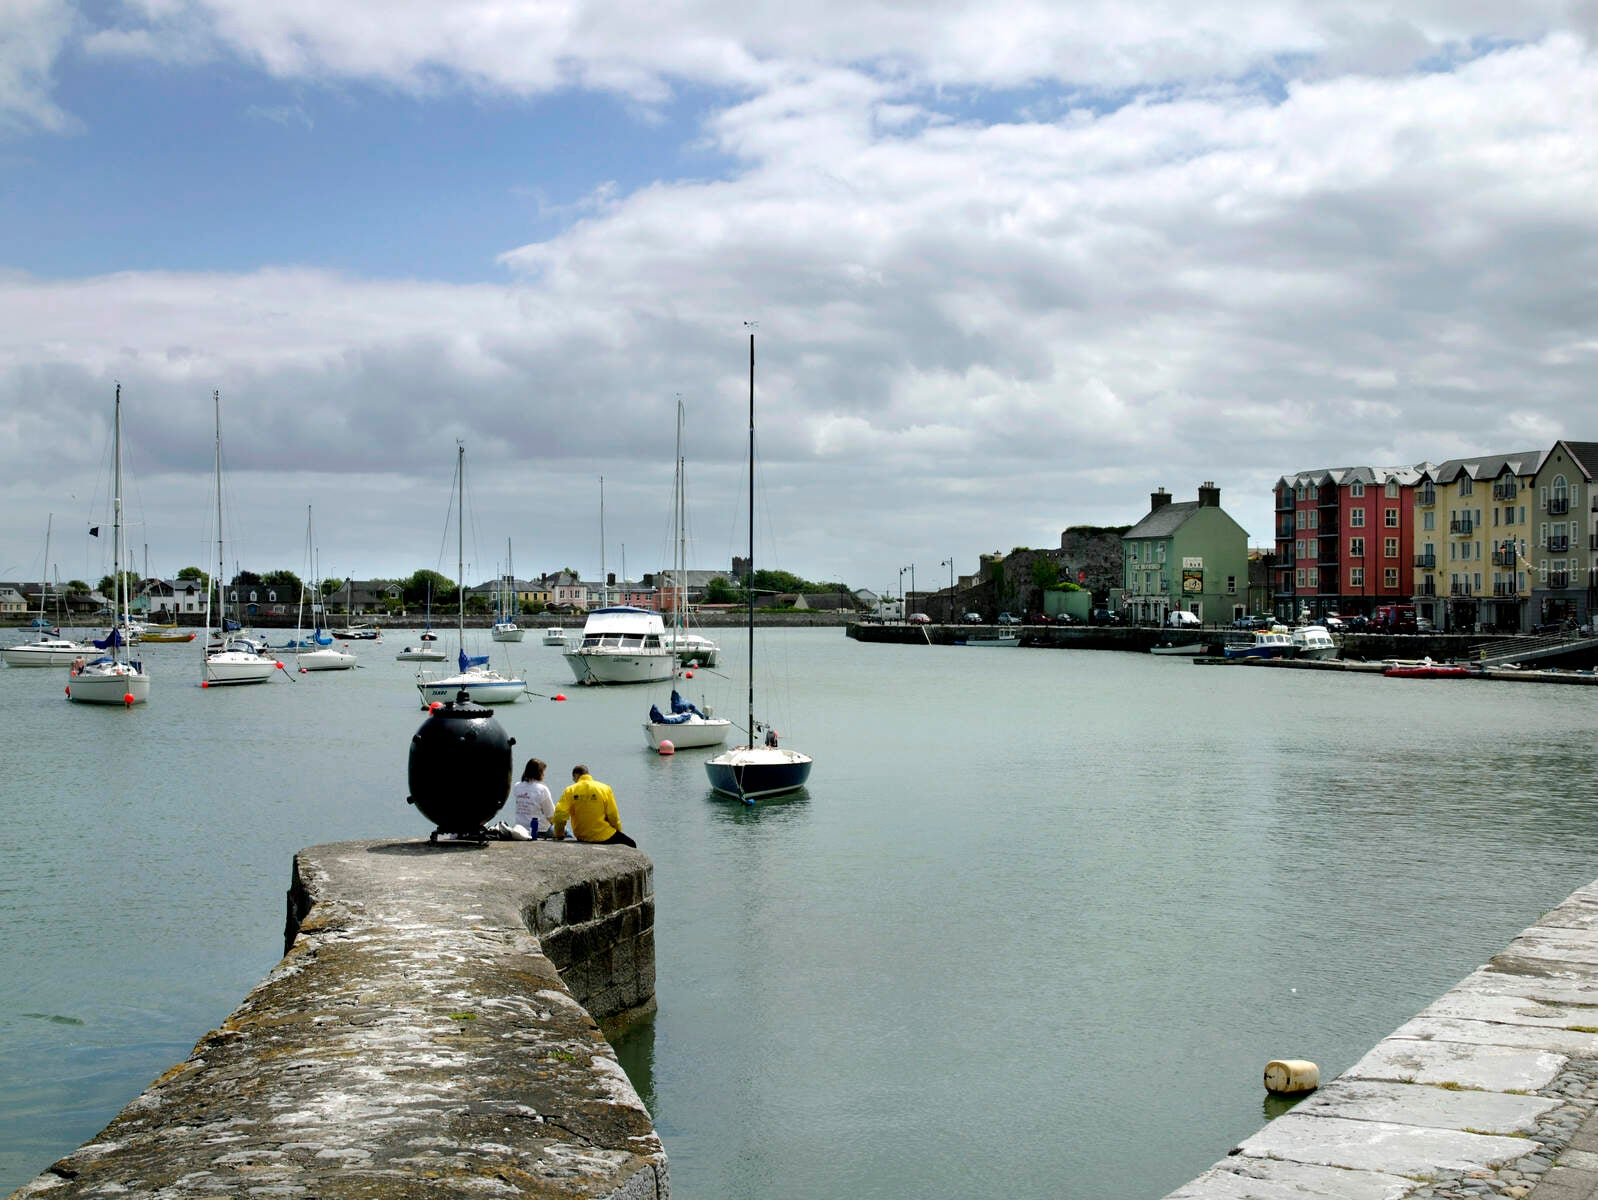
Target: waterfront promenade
<point>1490,1091</point>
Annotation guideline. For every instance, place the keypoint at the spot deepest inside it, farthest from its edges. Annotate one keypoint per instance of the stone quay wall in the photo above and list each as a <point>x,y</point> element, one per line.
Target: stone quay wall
<point>429,1032</point>
<point>1490,1091</point>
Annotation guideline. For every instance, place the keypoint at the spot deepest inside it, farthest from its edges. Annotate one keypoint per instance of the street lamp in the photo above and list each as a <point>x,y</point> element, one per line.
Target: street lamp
<point>912,579</point>
<point>904,612</point>
<point>949,562</point>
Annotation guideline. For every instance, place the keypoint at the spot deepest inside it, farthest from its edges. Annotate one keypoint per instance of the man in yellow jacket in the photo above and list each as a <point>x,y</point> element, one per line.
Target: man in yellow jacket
<point>590,806</point>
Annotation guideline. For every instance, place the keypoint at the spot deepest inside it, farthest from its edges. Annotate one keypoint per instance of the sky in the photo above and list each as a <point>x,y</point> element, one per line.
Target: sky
<point>1011,266</point>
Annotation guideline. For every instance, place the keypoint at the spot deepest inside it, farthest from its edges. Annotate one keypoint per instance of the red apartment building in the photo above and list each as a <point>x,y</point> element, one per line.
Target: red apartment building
<point>1345,540</point>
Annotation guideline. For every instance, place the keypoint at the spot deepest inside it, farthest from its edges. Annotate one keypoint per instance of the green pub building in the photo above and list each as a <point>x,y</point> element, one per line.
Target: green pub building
<point>1187,556</point>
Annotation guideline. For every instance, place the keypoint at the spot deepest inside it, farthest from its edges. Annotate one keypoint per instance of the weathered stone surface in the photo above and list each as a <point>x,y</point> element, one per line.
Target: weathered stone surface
<point>1269,1179</point>
<point>1458,1064</point>
<point>1420,1104</point>
<point>415,1041</point>
<point>1392,1149</point>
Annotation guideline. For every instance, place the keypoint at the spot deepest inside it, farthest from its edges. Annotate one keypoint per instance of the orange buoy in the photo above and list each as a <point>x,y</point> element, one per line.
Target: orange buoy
<point>127,698</point>
<point>558,696</point>
<point>205,683</point>
<point>279,666</point>
<point>666,747</point>
<point>687,674</point>
<point>302,669</point>
<point>435,706</point>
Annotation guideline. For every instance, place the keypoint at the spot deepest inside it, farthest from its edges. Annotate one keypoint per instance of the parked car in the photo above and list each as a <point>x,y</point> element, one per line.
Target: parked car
<point>1103,616</point>
<point>1424,625</point>
<point>1251,621</point>
<point>1182,619</point>
<point>1350,623</point>
<point>972,618</point>
<point>920,619</point>
<point>1009,619</point>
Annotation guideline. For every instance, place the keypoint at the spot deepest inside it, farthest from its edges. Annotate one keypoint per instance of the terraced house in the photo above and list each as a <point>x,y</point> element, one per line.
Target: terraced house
<point>1345,539</point>
<point>1187,555</point>
<point>1472,528</point>
<point>1563,534</point>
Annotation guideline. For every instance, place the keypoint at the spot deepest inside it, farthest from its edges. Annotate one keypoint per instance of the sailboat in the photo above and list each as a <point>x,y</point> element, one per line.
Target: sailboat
<point>749,772</point>
<point>113,678</point>
<point>319,653</point>
<point>505,628</point>
<point>426,652</point>
<point>688,727</point>
<point>49,649</point>
<point>475,680</point>
<point>228,660</point>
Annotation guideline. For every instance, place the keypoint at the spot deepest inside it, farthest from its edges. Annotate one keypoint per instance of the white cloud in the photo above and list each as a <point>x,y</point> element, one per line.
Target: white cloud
<point>32,34</point>
<point>962,321</point>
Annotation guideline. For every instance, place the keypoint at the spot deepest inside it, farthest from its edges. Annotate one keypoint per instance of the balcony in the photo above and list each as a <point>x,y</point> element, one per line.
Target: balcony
<point>1285,559</point>
<point>1426,497</point>
<point>1462,526</point>
<point>1328,585</point>
<point>1284,500</point>
<point>1559,544</point>
<point>1328,527</point>
<point>1505,491</point>
<point>1426,561</point>
<point>1558,506</point>
<point>1327,497</point>
<point>1503,558</point>
<point>1558,579</point>
<point>1504,587</point>
<point>1428,587</point>
<point>1461,587</point>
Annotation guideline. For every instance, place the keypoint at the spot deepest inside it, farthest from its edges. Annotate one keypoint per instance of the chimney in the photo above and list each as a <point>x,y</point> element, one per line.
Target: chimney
<point>1209,495</point>
<point>1158,500</point>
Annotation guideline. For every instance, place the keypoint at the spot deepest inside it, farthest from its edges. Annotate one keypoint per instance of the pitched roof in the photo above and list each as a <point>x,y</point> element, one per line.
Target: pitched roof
<point>1489,466</point>
<point>1585,455</point>
<point>1341,476</point>
<point>1163,521</point>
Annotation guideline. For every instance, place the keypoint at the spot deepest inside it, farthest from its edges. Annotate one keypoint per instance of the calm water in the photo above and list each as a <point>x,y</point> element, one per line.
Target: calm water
<point>1034,930</point>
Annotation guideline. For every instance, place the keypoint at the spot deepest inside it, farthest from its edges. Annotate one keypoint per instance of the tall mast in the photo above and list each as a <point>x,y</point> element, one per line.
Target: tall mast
<point>216,403</point>
<point>44,578</point>
<point>749,582</point>
<point>604,583</point>
<point>119,598</point>
<point>460,545</point>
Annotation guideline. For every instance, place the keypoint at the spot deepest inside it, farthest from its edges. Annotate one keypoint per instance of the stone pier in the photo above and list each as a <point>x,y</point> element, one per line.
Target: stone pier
<point>1490,1091</point>
<point>430,1032</point>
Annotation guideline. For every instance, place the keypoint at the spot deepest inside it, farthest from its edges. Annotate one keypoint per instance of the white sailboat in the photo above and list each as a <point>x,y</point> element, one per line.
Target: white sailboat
<point>426,652</point>
<point>476,679</point>
<point>751,771</point>
<point>505,629</point>
<point>319,653</point>
<point>227,660</point>
<point>113,678</point>
<point>688,726</point>
<point>49,648</point>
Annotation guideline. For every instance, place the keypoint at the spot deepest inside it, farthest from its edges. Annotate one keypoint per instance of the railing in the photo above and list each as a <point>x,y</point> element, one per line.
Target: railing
<point>1505,588</point>
<point>1503,558</point>
<point>1284,501</point>
<point>1558,544</point>
<point>1461,525</point>
<point>1329,527</point>
<point>1427,561</point>
<point>1558,505</point>
<point>1460,588</point>
<point>1558,579</point>
<point>1327,498</point>
<point>1505,491</point>
<point>1426,497</point>
<point>1428,587</point>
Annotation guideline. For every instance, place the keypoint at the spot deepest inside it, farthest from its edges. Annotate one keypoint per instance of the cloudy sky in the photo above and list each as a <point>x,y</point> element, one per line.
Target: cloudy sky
<point>1014,263</point>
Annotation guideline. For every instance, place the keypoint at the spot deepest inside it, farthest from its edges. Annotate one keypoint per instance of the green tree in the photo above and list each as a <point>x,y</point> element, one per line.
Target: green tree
<point>721,591</point>
<point>283,579</point>
<point>417,587</point>
<point>246,579</point>
<point>1045,572</point>
<point>195,573</point>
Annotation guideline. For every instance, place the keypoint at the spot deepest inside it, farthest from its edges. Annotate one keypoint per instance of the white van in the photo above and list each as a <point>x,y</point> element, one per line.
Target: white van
<point>1181,619</point>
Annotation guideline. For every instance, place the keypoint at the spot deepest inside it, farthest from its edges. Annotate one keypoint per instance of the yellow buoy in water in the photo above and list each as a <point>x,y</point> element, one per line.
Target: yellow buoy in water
<point>1285,1076</point>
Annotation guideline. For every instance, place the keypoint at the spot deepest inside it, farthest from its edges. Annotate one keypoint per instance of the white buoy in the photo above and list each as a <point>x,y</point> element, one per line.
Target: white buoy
<point>1286,1076</point>
<point>666,747</point>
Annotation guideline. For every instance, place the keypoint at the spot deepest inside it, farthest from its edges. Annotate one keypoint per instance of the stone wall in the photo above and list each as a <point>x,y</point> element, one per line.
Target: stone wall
<point>424,1035</point>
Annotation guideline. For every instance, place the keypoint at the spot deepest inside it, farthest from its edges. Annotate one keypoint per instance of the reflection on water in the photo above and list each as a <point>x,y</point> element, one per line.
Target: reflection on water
<point>1039,915</point>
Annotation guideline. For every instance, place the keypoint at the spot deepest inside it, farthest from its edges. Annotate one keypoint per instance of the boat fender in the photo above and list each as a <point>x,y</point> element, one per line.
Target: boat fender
<point>1285,1076</point>
<point>666,748</point>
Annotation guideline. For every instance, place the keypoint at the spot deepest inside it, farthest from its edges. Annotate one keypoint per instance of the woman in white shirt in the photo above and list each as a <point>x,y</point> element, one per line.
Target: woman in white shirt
<point>533,801</point>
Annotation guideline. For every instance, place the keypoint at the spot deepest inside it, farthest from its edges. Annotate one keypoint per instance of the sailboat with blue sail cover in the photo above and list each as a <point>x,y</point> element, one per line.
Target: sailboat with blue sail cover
<point>479,682</point>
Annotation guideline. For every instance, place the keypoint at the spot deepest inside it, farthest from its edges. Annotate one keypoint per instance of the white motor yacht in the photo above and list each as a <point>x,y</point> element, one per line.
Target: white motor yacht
<point>621,644</point>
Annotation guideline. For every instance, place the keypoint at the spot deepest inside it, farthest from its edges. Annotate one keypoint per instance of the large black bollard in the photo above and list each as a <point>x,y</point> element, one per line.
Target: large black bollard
<point>460,768</point>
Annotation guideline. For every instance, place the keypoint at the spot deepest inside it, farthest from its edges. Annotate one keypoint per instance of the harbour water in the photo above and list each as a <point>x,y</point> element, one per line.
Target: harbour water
<point>1034,929</point>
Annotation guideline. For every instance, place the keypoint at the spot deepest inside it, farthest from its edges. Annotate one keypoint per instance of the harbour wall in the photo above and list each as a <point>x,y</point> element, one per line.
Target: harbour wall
<point>430,1031</point>
<point>1490,1091</point>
